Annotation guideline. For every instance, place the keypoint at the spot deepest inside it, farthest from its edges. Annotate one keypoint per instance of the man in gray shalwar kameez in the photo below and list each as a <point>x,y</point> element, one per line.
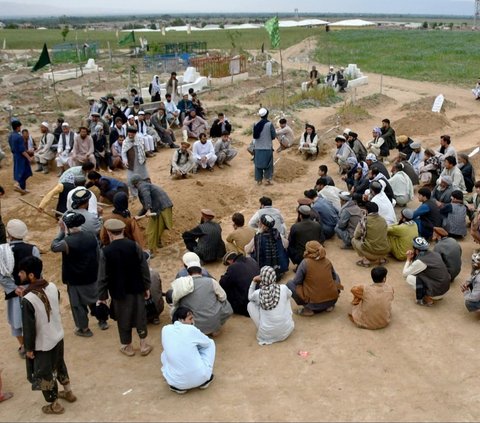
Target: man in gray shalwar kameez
<point>263,136</point>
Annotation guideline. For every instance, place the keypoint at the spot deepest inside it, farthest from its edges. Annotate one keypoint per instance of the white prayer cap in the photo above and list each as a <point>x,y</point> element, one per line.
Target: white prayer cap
<point>191,259</point>
<point>372,157</point>
<point>45,124</point>
<point>16,229</point>
<point>65,124</point>
<point>347,131</point>
<point>141,112</point>
<point>262,112</point>
<point>130,116</point>
<point>342,68</point>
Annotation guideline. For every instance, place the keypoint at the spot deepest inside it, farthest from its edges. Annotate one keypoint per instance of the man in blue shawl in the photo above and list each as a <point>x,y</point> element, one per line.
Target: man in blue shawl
<point>21,160</point>
<point>263,136</point>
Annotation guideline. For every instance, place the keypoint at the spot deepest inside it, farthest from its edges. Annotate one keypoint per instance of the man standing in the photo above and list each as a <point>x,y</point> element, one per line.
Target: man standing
<point>21,159</point>
<point>44,152</point>
<point>263,136</point>
<point>224,151</point>
<point>206,238</point>
<point>64,146</point>
<point>79,269</point>
<point>83,149</point>
<point>284,135</point>
<point>43,336</point>
<point>182,161</point>
<point>124,273</point>
<point>426,272</point>
<point>157,206</point>
<point>204,153</point>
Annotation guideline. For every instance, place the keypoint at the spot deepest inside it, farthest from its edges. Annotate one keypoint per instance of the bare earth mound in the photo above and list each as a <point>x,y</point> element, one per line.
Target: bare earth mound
<point>426,103</point>
<point>376,100</point>
<point>420,123</point>
<point>287,170</point>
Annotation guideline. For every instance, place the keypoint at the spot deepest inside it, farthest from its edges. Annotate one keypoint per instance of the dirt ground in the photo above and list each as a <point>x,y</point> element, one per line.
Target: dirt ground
<point>421,368</point>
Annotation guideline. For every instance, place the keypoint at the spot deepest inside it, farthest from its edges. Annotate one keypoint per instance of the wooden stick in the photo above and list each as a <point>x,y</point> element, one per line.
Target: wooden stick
<point>144,216</point>
<point>36,208</point>
<point>104,204</point>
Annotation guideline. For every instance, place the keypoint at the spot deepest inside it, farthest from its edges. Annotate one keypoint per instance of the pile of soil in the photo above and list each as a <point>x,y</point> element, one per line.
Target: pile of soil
<point>425,104</point>
<point>420,123</point>
<point>466,118</point>
<point>375,100</point>
<point>287,170</point>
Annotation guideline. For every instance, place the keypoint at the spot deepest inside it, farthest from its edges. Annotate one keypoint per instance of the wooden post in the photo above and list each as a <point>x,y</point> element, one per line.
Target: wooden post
<point>54,89</point>
<point>283,80</point>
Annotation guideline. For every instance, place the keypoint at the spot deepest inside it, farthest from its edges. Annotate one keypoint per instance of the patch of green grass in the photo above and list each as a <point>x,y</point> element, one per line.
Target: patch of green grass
<point>437,56</point>
<point>247,39</point>
<point>319,97</point>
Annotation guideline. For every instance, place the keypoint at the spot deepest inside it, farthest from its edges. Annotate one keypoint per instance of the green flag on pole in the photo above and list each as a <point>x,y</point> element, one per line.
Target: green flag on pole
<point>129,38</point>
<point>274,31</point>
<point>43,60</point>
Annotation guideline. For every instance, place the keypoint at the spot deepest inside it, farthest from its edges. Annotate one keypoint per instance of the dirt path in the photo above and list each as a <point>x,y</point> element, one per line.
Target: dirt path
<point>422,367</point>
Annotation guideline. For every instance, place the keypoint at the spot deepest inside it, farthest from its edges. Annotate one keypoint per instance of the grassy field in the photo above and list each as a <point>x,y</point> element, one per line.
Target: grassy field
<point>438,56</point>
<point>245,38</point>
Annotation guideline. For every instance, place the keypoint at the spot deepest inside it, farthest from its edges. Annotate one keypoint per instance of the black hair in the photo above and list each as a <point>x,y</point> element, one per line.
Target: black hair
<point>323,168</point>
<point>16,124</point>
<point>310,193</point>
<point>180,313</point>
<point>386,121</point>
<point>378,273</point>
<point>31,264</point>
<point>88,166</point>
<point>94,175</point>
<point>322,181</point>
<point>238,219</point>
<point>452,160</point>
<point>265,201</point>
<point>425,192</point>
<point>371,207</point>
<point>194,269</point>
<point>2,191</point>
<point>446,138</point>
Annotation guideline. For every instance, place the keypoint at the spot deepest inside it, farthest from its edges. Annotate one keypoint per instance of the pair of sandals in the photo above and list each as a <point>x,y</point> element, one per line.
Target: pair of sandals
<point>363,263</point>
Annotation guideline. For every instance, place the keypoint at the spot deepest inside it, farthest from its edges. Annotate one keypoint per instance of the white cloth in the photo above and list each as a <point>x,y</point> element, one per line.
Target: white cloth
<point>307,145</point>
<point>385,208</point>
<point>171,110</point>
<point>330,193</point>
<point>92,203</point>
<point>401,185</point>
<point>47,333</point>
<point>143,134</point>
<point>204,150</point>
<point>181,287</point>
<point>188,356</point>
<point>273,325</point>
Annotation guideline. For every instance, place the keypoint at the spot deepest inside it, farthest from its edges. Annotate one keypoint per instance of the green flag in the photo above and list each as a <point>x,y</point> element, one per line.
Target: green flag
<point>43,60</point>
<point>274,31</point>
<point>129,38</point>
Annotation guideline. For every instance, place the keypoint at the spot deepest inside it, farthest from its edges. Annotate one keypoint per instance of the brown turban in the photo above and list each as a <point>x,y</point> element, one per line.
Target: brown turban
<point>314,250</point>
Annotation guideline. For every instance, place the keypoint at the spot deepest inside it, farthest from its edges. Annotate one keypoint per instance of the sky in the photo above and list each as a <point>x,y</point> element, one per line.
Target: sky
<point>96,7</point>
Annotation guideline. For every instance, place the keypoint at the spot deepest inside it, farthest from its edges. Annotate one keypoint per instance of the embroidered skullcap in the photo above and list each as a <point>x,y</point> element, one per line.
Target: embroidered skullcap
<point>73,220</point>
<point>141,112</point>
<point>414,145</point>
<point>231,255</point>
<point>80,197</point>
<point>420,243</point>
<point>65,124</point>
<point>304,210</point>
<point>372,157</point>
<point>347,131</point>
<point>45,124</point>
<point>267,220</point>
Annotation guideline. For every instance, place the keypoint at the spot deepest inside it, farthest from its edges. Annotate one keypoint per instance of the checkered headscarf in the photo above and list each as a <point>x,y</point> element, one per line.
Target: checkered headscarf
<point>269,289</point>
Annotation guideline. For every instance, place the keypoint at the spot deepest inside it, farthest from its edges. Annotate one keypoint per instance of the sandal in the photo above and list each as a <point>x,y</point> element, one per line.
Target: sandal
<point>50,409</point>
<point>147,349</point>
<point>127,350</point>
<point>362,263</point>
<point>304,312</point>
<point>6,396</point>
<point>67,396</point>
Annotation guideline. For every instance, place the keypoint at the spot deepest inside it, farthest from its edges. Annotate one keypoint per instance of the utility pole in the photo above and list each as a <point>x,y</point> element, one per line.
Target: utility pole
<point>476,16</point>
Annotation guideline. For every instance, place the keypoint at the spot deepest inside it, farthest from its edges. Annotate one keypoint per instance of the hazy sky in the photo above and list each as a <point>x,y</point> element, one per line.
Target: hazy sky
<point>59,7</point>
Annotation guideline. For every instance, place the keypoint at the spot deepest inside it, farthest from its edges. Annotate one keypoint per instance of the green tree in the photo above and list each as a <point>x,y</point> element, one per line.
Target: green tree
<point>65,32</point>
<point>178,22</point>
<point>425,25</point>
<point>153,26</point>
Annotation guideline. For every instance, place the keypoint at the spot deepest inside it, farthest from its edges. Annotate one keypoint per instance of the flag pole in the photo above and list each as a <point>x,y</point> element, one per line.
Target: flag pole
<point>283,79</point>
<point>54,88</point>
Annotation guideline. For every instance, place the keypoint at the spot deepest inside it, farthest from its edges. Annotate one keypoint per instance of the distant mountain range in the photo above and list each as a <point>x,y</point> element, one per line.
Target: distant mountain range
<point>27,9</point>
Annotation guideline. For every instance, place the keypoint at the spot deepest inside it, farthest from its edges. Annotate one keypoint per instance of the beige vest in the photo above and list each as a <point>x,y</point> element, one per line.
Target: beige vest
<point>374,311</point>
<point>48,334</point>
